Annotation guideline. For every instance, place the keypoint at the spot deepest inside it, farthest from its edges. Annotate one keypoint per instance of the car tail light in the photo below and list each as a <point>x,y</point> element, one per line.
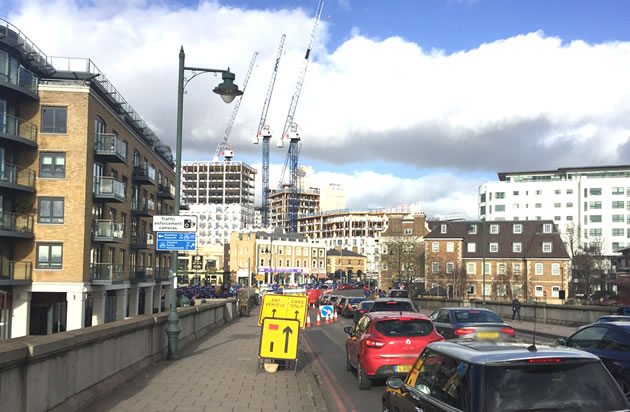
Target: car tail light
<point>349,307</point>
<point>403,319</point>
<point>464,331</point>
<point>362,311</point>
<point>508,331</point>
<point>544,360</point>
<point>391,303</point>
<point>371,343</point>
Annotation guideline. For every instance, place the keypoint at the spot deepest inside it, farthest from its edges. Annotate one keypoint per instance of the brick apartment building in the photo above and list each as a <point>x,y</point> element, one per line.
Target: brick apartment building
<point>522,258</point>
<point>82,177</point>
<point>346,265</point>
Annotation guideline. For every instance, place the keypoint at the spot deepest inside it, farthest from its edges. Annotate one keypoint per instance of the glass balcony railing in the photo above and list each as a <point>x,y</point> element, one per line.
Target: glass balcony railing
<point>108,186</point>
<point>144,173</point>
<point>19,76</point>
<point>17,175</point>
<point>17,127</point>
<point>162,273</point>
<point>108,229</point>
<point>166,191</point>
<point>142,240</point>
<point>139,273</point>
<point>147,206</point>
<point>106,272</point>
<point>110,144</point>
<point>16,222</point>
<point>18,271</point>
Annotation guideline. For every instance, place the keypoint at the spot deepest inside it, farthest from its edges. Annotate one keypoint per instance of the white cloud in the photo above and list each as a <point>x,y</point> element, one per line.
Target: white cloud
<point>526,102</point>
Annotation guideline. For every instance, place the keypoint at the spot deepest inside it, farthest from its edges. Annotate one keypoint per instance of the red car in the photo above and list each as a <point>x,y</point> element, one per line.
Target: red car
<point>385,344</point>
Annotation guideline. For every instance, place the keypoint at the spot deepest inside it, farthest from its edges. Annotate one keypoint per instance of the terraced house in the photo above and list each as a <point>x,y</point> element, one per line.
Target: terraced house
<point>520,258</point>
<point>81,176</point>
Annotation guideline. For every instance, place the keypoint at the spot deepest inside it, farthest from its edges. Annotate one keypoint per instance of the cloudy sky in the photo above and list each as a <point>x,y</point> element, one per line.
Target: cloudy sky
<point>404,100</point>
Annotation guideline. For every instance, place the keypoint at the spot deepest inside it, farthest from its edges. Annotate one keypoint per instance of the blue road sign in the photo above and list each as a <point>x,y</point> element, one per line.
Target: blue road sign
<point>326,311</point>
<point>176,241</point>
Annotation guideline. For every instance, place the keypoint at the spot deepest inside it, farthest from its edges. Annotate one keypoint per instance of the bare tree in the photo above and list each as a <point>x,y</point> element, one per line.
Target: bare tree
<point>588,261</point>
<point>404,258</point>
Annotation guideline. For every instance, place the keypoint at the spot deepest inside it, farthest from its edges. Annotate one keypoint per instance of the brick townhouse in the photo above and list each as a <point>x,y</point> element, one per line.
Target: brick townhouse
<point>522,258</point>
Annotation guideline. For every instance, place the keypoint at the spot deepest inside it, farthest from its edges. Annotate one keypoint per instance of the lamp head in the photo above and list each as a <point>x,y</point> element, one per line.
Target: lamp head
<point>227,90</point>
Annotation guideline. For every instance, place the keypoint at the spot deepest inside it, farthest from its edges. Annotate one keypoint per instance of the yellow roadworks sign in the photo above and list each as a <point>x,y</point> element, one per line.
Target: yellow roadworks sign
<point>285,307</point>
<point>279,338</point>
<point>260,277</point>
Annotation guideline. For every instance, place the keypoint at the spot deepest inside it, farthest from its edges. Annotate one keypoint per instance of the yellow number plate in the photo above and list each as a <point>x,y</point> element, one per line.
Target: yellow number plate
<point>487,335</point>
<point>403,368</point>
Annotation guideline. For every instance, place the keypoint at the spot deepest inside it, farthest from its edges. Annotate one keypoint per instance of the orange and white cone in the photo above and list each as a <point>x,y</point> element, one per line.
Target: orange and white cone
<point>335,319</point>
<point>318,322</point>
<point>327,319</point>
<point>308,321</point>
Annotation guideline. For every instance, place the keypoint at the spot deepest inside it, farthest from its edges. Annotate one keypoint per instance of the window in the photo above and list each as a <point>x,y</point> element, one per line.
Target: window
<point>595,232</point>
<point>516,291</point>
<point>472,229</point>
<point>452,383</point>
<point>500,195</point>
<point>569,218</point>
<point>557,218</point>
<point>555,269</point>
<point>555,291</point>
<point>49,255</point>
<point>384,266</point>
<point>288,250</point>
<point>470,268</point>
<point>488,290</point>
<point>546,247</point>
<point>499,208</point>
<point>515,193</point>
<point>500,268</point>
<point>450,247</point>
<point>321,252</point>
<point>435,267</point>
<point>515,206</point>
<point>547,228</point>
<point>556,192</point>
<point>618,232</point>
<point>517,247</point>
<point>569,191</point>
<point>442,228</point>
<point>450,267</point>
<point>618,218</point>
<point>408,231</point>
<point>471,247</point>
<point>517,228</point>
<point>595,205</point>
<point>538,192</point>
<point>494,229</point>
<point>617,190</point>
<point>50,210</point>
<point>298,251</point>
<point>487,268</point>
<point>595,218</point>
<point>52,165</point>
<point>618,204</point>
<point>595,191</point>
<point>538,205</point>
<point>538,268</point>
<point>569,204</point>
<point>435,247</point>
<point>500,290</point>
<point>516,269</point>
<point>280,251</point>
<point>288,263</point>
<point>557,205</point>
<point>538,291</point>
<point>494,247</point>
<point>54,119</point>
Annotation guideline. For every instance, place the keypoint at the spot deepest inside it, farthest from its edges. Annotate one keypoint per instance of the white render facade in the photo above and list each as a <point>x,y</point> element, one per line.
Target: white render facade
<point>595,200</point>
<point>215,222</point>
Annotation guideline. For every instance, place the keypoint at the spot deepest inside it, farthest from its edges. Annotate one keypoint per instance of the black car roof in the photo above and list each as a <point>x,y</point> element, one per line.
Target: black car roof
<point>467,309</point>
<point>490,352</point>
<point>625,325</point>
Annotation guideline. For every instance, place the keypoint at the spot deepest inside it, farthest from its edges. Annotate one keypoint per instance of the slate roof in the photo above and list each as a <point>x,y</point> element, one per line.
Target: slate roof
<point>531,239</point>
<point>346,252</point>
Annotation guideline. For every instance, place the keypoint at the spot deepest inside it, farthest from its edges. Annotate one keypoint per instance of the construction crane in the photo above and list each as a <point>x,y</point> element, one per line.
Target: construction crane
<point>222,147</point>
<point>264,131</point>
<point>291,132</point>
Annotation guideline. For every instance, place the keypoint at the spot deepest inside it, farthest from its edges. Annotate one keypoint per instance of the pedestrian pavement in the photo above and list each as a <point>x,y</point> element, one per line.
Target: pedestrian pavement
<point>218,373</point>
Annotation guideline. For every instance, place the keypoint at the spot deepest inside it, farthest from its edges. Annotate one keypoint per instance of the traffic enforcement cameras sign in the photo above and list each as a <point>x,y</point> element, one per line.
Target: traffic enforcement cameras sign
<point>175,223</point>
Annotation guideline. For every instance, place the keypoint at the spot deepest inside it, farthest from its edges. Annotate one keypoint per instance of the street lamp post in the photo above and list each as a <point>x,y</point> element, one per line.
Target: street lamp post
<point>483,262</point>
<point>228,91</point>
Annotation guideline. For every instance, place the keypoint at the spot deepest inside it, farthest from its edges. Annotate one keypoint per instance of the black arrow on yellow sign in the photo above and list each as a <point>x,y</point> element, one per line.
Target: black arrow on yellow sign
<point>273,312</point>
<point>287,331</point>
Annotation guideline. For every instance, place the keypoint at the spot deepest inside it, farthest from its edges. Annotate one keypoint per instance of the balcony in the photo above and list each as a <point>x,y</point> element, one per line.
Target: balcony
<point>144,208</point>
<point>105,273</point>
<point>166,192</point>
<point>108,189</point>
<point>162,274</point>
<point>144,175</point>
<point>183,205</point>
<point>15,225</point>
<point>108,231</point>
<point>16,273</point>
<point>142,241</point>
<point>141,274</point>
<point>17,178</point>
<point>13,129</point>
<point>109,148</point>
<point>20,79</point>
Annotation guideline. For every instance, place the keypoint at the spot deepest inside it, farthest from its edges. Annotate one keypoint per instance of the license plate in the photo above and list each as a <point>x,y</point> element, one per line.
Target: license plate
<point>402,368</point>
<point>487,335</point>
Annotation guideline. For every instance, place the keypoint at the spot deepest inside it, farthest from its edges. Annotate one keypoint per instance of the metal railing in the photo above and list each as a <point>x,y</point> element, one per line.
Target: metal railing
<point>110,143</point>
<point>142,239</point>
<point>144,171</point>
<point>109,229</point>
<point>141,273</point>
<point>109,186</point>
<point>16,271</point>
<point>23,77</point>
<point>111,272</point>
<point>34,53</point>
<point>147,206</point>
<point>162,273</point>
<point>168,190</point>
<point>16,222</point>
<point>17,127</point>
<point>17,175</point>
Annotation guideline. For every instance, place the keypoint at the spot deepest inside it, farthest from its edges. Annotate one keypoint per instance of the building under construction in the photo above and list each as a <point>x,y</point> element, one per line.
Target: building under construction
<point>308,203</point>
<point>221,193</point>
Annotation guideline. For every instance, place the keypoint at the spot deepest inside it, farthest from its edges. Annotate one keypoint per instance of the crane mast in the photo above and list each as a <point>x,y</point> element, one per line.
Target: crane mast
<point>264,131</point>
<point>290,131</point>
<point>223,144</point>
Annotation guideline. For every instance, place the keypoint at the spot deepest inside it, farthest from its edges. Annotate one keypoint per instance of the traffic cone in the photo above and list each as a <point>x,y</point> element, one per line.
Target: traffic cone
<point>308,321</point>
<point>335,319</point>
<point>318,322</point>
<point>327,319</point>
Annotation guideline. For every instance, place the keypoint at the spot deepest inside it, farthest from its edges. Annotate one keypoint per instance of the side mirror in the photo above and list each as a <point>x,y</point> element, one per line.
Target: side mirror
<point>561,342</point>
<point>395,382</point>
<point>348,330</point>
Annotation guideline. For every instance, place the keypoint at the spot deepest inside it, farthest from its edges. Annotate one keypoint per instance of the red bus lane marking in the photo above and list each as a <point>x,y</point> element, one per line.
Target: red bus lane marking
<point>329,379</point>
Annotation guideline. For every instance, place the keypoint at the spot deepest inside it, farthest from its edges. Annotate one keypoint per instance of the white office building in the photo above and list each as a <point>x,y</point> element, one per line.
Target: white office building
<point>593,200</point>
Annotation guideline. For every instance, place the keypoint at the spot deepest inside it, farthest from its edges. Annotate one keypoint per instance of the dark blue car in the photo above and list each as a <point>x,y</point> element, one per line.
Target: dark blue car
<point>611,343</point>
<point>477,323</point>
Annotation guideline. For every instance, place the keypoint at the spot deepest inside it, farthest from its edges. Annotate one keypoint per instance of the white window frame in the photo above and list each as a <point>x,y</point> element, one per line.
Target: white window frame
<point>470,266</point>
<point>435,247</point>
<point>516,290</point>
<point>435,267</point>
<point>547,227</point>
<point>538,266</point>
<point>471,247</point>
<point>488,289</point>
<point>494,229</point>
<point>555,291</point>
<point>501,290</point>
<point>450,246</point>
<point>493,247</point>
<point>500,268</point>
<point>517,228</point>
<point>547,247</point>
<point>517,269</point>
<point>473,230</point>
<point>487,268</point>
<point>442,228</point>
<point>450,267</point>
<point>539,291</point>
<point>555,269</point>
<point>517,247</point>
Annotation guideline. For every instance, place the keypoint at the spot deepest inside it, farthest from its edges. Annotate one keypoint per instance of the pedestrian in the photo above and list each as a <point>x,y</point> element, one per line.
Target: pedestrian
<point>516,308</point>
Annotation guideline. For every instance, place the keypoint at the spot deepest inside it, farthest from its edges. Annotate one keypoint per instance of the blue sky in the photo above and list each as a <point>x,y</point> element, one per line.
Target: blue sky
<point>404,101</point>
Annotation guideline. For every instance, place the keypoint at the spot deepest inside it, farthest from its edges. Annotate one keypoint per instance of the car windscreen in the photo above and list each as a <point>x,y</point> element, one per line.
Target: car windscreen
<point>465,316</point>
<point>356,300</point>
<point>404,327</point>
<point>333,298</point>
<point>394,306</point>
<point>399,294</point>
<point>366,304</point>
<point>553,385</point>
